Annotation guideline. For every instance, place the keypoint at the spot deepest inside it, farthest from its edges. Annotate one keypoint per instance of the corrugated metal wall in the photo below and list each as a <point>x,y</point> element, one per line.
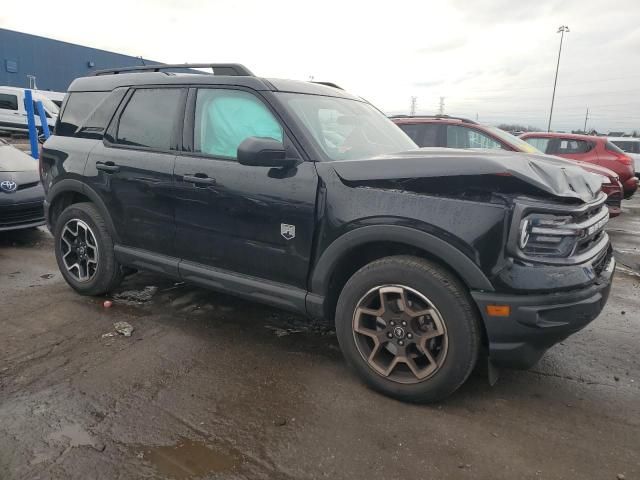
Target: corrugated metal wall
<point>54,64</point>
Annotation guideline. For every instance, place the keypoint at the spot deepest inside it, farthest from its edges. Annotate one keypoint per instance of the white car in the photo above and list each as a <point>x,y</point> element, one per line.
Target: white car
<point>631,146</point>
<point>13,115</point>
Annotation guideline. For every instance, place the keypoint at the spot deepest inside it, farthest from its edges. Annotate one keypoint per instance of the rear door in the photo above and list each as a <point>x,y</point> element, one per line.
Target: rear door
<point>257,221</point>
<point>132,169</point>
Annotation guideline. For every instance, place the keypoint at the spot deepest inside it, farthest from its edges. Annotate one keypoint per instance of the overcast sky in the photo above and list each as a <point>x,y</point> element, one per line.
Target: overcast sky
<point>491,58</point>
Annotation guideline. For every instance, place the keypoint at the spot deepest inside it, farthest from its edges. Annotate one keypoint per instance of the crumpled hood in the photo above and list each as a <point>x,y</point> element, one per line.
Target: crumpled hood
<point>14,160</point>
<point>553,175</point>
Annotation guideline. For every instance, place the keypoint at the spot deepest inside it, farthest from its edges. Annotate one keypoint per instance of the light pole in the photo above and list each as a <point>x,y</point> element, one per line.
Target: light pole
<point>561,30</point>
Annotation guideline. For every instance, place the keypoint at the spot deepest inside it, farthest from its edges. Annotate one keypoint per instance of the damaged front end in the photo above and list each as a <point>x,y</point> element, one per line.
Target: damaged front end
<point>533,224</point>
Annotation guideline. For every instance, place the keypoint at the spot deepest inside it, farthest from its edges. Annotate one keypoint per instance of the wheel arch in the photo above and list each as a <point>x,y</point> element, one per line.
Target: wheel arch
<point>353,250</point>
<point>69,191</point>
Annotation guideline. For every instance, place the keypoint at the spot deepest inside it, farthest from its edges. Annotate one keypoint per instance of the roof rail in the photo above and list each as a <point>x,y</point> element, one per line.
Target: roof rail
<point>230,69</point>
<point>329,84</point>
<point>446,117</point>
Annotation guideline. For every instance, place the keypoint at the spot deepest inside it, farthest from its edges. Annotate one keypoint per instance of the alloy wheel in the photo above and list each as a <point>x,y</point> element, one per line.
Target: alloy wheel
<point>79,250</point>
<point>400,333</point>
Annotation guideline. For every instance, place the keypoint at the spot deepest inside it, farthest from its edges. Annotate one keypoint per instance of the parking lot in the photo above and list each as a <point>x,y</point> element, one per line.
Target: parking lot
<point>209,386</point>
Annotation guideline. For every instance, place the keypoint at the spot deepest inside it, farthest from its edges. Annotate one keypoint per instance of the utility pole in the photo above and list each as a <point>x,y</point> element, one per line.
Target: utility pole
<point>561,30</point>
<point>586,117</point>
<point>414,103</point>
<point>441,108</point>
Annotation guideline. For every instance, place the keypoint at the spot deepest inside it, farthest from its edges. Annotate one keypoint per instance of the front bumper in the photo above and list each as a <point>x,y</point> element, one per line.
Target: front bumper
<point>537,322</point>
<point>630,186</point>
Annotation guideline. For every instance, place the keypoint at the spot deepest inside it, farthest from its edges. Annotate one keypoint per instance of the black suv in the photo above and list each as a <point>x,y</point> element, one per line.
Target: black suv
<point>302,196</point>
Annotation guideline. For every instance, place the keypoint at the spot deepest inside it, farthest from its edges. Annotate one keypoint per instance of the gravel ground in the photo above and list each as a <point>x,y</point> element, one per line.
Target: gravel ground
<point>208,386</point>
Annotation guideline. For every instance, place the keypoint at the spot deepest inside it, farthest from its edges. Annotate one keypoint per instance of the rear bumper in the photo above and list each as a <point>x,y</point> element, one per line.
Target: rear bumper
<point>537,322</point>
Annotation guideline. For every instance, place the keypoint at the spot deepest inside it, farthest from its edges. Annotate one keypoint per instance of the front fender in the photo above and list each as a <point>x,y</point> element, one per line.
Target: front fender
<point>462,265</point>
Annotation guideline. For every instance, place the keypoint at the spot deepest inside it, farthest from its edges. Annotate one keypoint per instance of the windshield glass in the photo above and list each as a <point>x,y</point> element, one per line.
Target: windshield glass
<point>347,129</point>
<point>47,104</point>
<point>518,143</point>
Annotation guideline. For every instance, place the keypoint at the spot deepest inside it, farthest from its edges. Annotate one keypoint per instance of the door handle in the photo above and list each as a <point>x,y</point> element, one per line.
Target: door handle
<point>199,179</point>
<point>108,167</point>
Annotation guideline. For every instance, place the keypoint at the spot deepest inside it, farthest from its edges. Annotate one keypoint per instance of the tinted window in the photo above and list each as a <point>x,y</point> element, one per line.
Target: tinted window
<point>98,120</point>
<point>225,118</point>
<point>540,143</point>
<point>612,148</point>
<point>424,134</point>
<point>149,118</point>
<point>628,146</point>
<point>463,137</point>
<point>8,102</point>
<point>568,145</point>
<point>78,107</point>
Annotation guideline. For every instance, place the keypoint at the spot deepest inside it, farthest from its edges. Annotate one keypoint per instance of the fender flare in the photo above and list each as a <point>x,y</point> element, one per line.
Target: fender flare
<point>462,265</point>
<point>71,185</point>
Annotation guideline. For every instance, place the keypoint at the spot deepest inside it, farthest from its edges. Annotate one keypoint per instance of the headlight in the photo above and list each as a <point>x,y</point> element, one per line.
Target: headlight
<point>547,235</point>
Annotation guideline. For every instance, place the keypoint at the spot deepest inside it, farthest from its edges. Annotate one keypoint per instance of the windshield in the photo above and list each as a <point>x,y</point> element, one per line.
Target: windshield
<point>347,129</point>
<point>516,142</point>
<point>48,104</point>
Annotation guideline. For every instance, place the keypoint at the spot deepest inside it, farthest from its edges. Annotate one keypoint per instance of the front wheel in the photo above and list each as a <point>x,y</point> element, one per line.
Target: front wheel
<point>408,328</point>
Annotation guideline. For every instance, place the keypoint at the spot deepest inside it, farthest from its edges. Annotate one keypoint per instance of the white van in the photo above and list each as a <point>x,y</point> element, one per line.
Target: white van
<point>13,116</point>
<point>631,146</point>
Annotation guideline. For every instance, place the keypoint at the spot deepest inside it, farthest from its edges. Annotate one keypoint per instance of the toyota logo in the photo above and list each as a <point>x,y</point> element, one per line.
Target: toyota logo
<point>8,186</point>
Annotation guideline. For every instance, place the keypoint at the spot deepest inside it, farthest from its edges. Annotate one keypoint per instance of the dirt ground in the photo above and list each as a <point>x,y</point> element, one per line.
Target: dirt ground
<point>209,386</point>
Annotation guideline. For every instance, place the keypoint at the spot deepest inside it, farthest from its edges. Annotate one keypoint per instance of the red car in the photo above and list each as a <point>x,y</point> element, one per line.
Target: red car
<point>591,149</point>
<point>454,132</point>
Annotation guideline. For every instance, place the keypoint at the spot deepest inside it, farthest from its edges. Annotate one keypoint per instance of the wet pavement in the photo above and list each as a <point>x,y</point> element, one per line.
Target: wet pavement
<point>208,386</point>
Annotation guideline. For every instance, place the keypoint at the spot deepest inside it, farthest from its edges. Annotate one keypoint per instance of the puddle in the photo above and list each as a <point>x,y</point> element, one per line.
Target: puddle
<point>188,458</point>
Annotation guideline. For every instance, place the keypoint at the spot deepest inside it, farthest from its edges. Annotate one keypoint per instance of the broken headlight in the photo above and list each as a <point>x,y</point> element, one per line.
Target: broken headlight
<point>548,235</point>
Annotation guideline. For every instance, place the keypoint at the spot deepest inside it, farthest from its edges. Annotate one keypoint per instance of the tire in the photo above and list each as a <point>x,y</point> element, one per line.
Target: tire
<point>105,273</point>
<point>450,331</point>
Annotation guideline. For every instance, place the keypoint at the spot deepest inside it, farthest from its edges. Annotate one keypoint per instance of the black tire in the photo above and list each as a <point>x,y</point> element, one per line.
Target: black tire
<point>455,310</point>
<point>108,273</point>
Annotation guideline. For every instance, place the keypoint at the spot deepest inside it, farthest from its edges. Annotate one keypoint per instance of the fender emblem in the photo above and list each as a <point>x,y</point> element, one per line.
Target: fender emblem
<point>288,232</point>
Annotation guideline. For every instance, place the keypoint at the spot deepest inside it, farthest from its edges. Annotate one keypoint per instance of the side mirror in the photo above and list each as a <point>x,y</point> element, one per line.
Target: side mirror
<point>263,152</point>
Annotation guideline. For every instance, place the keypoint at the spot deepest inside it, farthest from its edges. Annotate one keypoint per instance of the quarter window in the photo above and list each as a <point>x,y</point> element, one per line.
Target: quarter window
<point>78,107</point>
<point>225,118</point>
<point>149,118</point>
<point>463,137</point>
<point>8,102</point>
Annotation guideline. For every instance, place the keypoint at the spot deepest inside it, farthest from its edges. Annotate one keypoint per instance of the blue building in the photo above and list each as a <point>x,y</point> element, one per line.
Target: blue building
<point>52,64</point>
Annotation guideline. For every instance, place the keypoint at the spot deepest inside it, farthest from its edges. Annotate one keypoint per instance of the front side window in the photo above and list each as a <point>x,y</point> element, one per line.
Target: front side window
<point>346,129</point>
<point>149,118</point>
<point>8,102</point>
<point>539,143</point>
<point>225,118</point>
<point>463,137</point>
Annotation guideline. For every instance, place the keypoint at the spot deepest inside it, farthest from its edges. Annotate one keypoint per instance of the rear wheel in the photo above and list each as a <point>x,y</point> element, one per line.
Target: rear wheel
<point>84,250</point>
<point>408,328</point>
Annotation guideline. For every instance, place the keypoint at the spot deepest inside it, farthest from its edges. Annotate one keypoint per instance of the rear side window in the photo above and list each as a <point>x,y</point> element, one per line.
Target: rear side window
<point>8,102</point>
<point>95,125</point>
<point>225,118</point>
<point>541,144</point>
<point>463,137</point>
<point>567,145</point>
<point>78,107</point>
<point>149,118</point>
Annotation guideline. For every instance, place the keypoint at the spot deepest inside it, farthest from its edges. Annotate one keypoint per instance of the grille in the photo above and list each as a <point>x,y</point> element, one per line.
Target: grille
<point>15,215</point>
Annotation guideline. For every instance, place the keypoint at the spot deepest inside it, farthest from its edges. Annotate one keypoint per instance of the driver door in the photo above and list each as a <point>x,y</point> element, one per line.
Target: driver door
<point>257,221</point>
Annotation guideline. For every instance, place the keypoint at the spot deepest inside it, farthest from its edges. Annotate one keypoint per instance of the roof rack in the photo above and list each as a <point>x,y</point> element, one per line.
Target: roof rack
<point>329,84</point>
<point>446,117</point>
<point>229,69</point>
